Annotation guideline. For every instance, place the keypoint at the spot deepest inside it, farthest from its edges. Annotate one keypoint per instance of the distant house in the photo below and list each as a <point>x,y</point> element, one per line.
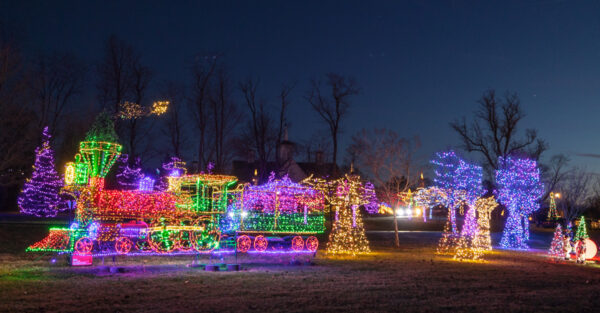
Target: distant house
<point>248,170</point>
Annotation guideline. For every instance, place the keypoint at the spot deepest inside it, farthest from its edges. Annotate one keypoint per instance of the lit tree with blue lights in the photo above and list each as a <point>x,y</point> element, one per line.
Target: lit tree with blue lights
<point>447,165</point>
<point>519,189</point>
<point>461,182</point>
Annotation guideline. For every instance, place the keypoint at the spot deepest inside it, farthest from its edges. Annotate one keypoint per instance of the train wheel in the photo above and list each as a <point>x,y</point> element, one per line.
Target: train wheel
<point>123,245</point>
<point>297,243</point>
<point>185,241</point>
<point>260,243</point>
<point>84,245</point>
<point>143,246</point>
<point>162,241</point>
<point>312,243</point>
<point>206,240</point>
<point>244,243</point>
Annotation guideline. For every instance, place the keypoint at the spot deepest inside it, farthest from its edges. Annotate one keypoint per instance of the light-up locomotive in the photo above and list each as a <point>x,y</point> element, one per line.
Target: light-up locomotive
<point>197,213</point>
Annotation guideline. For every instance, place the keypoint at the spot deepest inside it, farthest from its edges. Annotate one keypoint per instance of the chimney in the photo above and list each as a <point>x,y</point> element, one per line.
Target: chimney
<point>319,158</point>
<point>251,156</point>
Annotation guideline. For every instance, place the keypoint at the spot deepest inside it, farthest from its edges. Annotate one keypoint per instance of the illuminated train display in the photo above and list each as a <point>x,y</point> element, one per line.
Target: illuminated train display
<point>197,213</point>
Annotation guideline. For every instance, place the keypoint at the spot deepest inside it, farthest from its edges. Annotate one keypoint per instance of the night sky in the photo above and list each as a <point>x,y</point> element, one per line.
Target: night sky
<point>420,64</point>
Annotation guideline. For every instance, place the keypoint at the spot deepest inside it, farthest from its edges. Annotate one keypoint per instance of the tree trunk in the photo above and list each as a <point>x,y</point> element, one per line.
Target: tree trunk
<point>335,144</point>
<point>396,239</point>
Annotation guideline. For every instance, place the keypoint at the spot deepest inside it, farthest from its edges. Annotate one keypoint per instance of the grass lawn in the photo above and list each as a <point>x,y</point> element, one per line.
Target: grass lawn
<point>411,278</point>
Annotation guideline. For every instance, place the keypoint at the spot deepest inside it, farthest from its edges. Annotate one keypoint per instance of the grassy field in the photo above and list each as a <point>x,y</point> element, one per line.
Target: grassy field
<point>411,278</point>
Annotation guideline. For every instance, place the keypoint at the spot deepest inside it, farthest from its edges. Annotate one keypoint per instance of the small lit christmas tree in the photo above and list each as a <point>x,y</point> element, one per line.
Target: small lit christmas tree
<point>348,233</point>
<point>346,238</point>
<point>40,195</point>
<point>581,230</point>
<point>552,212</point>
<point>556,247</point>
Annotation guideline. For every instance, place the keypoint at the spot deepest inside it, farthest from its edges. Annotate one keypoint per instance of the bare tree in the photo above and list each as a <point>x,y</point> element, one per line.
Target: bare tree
<point>124,80</point>
<point>554,173</point>
<point>332,106</point>
<point>58,78</point>
<point>115,77</point>
<point>17,136</point>
<point>140,79</point>
<point>173,126</point>
<point>223,118</point>
<point>79,122</point>
<point>260,125</point>
<point>284,101</point>
<point>575,191</point>
<point>387,158</point>
<point>316,143</point>
<point>203,72</point>
<point>493,132</point>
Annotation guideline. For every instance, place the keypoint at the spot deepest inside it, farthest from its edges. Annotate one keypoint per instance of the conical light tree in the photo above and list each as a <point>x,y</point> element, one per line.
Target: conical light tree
<point>40,194</point>
<point>581,230</point>
<point>348,233</point>
<point>552,212</point>
<point>556,247</point>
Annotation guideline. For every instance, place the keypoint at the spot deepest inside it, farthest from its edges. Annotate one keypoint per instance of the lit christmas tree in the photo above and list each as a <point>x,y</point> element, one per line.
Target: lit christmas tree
<point>348,233</point>
<point>40,195</point>
<point>519,189</point>
<point>556,247</point>
<point>552,212</point>
<point>581,230</point>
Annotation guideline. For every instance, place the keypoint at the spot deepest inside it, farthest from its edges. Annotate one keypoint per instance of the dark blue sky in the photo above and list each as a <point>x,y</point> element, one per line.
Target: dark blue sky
<point>420,64</point>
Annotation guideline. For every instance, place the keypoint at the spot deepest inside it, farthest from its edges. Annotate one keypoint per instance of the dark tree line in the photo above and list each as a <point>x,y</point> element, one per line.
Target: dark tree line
<point>213,117</point>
